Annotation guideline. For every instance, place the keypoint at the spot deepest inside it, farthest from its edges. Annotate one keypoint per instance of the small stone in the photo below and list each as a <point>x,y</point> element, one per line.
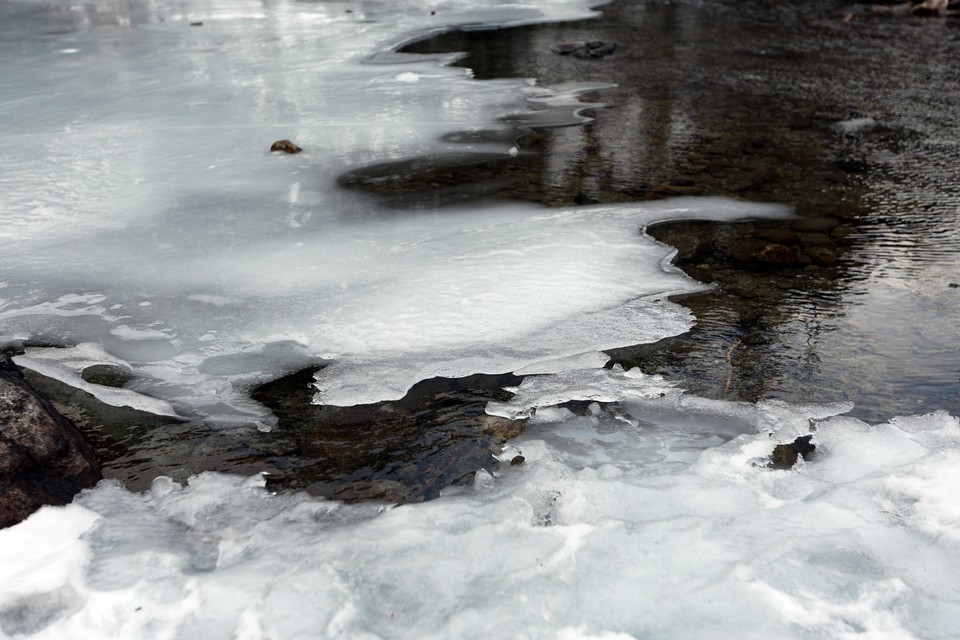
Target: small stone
<point>852,164</point>
<point>954,285</point>
<point>596,49</point>
<point>567,49</point>
<point>784,456</point>
<point>823,255</point>
<point>501,428</point>
<point>517,460</point>
<point>587,50</point>
<point>196,24</point>
<point>931,8</point>
<point>286,146</point>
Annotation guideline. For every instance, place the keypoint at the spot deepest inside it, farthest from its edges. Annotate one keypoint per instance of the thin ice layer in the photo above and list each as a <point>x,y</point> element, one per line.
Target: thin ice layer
<point>146,221</point>
<point>623,523</point>
<point>142,213</point>
<point>144,218</point>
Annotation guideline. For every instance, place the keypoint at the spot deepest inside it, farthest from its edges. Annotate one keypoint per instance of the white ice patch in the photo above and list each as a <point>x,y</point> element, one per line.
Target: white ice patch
<point>599,385</point>
<point>138,171</point>
<point>608,530</point>
<point>67,365</point>
<point>588,360</point>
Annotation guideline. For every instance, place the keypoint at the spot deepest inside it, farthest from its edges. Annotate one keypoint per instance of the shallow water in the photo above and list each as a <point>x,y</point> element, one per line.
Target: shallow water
<point>850,121</point>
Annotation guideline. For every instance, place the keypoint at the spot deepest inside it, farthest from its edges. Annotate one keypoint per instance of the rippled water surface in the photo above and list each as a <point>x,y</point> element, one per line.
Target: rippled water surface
<point>842,111</point>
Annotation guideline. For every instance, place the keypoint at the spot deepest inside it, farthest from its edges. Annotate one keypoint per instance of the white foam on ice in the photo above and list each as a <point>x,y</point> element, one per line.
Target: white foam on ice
<point>622,523</point>
<point>143,214</point>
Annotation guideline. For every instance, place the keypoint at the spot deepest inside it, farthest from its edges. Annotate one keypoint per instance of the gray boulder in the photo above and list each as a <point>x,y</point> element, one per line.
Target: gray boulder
<point>43,458</point>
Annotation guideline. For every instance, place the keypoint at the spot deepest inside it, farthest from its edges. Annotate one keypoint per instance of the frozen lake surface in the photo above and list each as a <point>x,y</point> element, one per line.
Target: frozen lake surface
<point>149,229</point>
<point>146,227</point>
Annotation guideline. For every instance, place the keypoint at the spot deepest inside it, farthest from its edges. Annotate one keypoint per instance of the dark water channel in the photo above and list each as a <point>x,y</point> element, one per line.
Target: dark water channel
<point>848,115</point>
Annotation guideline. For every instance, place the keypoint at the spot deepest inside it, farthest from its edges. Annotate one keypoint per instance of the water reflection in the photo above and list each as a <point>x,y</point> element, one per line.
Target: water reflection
<point>768,102</point>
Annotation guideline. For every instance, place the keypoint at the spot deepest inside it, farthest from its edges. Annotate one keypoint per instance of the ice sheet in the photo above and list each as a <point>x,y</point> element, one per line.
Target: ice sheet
<point>621,523</point>
<point>143,215</point>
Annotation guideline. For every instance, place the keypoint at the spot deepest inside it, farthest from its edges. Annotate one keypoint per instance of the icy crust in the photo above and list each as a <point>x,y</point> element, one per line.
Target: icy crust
<point>503,292</point>
<point>391,301</point>
<point>143,218</point>
<point>624,523</point>
<point>598,385</point>
<point>67,366</point>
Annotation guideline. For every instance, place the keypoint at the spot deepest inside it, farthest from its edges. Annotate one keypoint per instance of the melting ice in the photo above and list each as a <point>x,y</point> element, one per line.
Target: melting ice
<point>145,226</point>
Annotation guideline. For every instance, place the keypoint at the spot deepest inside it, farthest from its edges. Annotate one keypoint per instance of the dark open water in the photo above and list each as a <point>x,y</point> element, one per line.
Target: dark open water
<point>847,114</point>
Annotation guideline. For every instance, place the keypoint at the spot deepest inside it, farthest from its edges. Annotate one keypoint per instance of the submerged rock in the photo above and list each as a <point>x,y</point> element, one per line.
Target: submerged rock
<point>587,50</point>
<point>407,450</point>
<point>784,456</point>
<point>43,458</point>
<point>777,254</point>
<point>930,8</point>
<point>286,146</point>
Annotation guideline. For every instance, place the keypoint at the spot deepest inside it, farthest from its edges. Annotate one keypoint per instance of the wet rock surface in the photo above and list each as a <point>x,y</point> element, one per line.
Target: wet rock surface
<point>401,451</point>
<point>43,458</point>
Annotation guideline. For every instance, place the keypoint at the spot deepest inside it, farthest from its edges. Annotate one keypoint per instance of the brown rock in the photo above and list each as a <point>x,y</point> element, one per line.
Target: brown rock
<point>777,254</point>
<point>517,460</point>
<point>286,146</point>
<point>823,255</point>
<point>779,236</point>
<point>821,224</point>
<point>501,428</point>
<point>43,458</point>
<point>784,456</point>
<point>931,8</point>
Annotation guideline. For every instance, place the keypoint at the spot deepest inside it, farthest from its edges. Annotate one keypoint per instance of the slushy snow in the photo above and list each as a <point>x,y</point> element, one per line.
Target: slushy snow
<point>652,517</point>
